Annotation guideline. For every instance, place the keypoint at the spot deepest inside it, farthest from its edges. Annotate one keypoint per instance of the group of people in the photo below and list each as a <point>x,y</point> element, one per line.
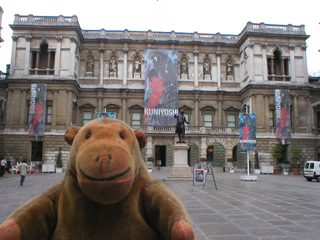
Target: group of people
<point>6,165</point>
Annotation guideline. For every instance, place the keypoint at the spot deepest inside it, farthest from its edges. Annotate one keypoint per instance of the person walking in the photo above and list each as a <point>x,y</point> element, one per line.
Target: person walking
<point>3,167</point>
<point>159,164</point>
<point>23,171</point>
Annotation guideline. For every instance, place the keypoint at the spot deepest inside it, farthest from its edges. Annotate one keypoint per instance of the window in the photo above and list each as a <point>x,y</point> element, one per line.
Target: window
<point>311,165</point>
<point>231,120</point>
<point>136,119</point>
<point>318,119</point>
<point>49,114</point>
<point>186,115</point>
<point>87,117</point>
<point>207,120</point>
<point>272,119</point>
<point>43,61</point>
<point>278,65</point>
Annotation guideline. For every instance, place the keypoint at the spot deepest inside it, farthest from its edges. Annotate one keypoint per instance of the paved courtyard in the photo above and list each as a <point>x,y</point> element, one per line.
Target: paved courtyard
<point>274,207</point>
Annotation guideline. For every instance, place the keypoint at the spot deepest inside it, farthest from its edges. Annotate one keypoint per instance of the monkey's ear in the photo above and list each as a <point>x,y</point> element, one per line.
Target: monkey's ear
<point>142,139</point>
<point>71,134</point>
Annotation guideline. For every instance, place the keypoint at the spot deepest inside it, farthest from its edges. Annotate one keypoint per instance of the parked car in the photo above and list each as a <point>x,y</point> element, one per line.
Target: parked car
<point>312,170</point>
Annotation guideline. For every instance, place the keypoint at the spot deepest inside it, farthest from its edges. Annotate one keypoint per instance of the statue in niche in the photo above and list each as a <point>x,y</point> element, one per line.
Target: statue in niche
<point>184,66</point>
<point>229,70</point>
<point>113,68</point>
<point>90,65</point>
<point>137,67</point>
<point>206,67</point>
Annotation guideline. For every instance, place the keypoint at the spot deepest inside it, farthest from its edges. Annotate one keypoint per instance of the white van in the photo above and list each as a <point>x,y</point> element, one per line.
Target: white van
<point>312,170</point>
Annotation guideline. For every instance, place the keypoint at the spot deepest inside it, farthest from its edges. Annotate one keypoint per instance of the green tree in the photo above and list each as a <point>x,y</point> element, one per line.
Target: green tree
<point>295,159</point>
<point>59,163</point>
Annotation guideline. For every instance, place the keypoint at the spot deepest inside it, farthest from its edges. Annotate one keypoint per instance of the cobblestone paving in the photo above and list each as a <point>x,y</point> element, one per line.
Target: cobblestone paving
<point>274,207</point>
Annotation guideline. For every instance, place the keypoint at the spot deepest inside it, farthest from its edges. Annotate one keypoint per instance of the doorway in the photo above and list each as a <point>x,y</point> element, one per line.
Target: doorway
<point>36,151</point>
<point>160,153</point>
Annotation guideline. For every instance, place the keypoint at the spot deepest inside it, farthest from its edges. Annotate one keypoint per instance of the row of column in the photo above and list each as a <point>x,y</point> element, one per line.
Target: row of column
<point>18,116</point>
<point>256,108</point>
<point>27,58</point>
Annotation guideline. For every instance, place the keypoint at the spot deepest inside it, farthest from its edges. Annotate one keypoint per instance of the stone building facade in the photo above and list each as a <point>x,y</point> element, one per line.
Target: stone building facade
<point>220,76</point>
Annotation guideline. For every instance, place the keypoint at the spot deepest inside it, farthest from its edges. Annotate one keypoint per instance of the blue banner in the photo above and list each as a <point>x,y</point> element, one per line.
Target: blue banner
<point>37,109</point>
<point>247,122</point>
<point>106,114</point>
<point>161,87</point>
<point>282,111</point>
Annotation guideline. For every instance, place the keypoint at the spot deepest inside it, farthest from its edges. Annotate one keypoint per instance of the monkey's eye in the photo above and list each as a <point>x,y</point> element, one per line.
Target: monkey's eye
<point>121,135</point>
<point>155,59</point>
<point>88,135</point>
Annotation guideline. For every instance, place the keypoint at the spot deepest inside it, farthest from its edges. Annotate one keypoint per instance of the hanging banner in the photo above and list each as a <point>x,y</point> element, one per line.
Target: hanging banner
<point>247,122</point>
<point>282,111</point>
<point>37,110</point>
<point>106,114</point>
<point>161,87</point>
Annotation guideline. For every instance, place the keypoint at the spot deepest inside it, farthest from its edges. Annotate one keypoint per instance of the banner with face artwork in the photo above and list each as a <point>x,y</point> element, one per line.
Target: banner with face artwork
<point>247,122</point>
<point>161,87</point>
<point>282,111</point>
<point>37,109</point>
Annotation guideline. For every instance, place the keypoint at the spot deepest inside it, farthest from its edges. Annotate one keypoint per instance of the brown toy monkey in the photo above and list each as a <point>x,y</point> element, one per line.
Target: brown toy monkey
<point>106,193</point>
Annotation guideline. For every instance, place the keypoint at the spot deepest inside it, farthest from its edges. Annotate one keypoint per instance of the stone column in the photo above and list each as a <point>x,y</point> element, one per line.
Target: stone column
<point>27,56</point>
<point>219,69</point>
<point>253,99</point>
<point>49,60</point>
<point>196,73</point>
<point>282,66</point>
<point>196,112</point>
<point>272,66</point>
<point>54,110</point>
<point>13,54</point>
<point>99,103</point>
<point>9,109</point>
<point>124,106</point>
<point>267,112</point>
<point>305,67</point>
<point>220,113</point>
<point>149,147</point>
<point>69,108</point>
<point>125,66</point>
<point>57,57</point>
<point>309,114</point>
<point>295,114</point>
<point>264,62</point>
<point>101,50</point>
<point>203,147</point>
<point>72,56</point>
<point>23,109</point>
<point>292,71</point>
<point>251,62</point>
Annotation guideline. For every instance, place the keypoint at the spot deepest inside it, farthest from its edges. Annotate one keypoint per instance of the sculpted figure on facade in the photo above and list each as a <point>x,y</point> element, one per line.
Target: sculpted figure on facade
<point>137,67</point>
<point>206,70</point>
<point>206,67</point>
<point>90,65</point>
<point>113,67</point>
<point>184,66</point>
<point>229,70</point>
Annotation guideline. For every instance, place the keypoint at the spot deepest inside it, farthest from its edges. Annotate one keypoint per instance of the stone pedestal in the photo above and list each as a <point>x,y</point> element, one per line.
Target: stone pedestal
<point>249,178</point>
<point>180,169</point>
<point>184,76</point>
<point>207,77</point>
<point>136,75</point>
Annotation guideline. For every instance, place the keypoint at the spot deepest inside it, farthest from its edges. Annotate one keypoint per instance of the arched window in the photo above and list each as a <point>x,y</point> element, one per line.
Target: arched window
<point>278,67</point>
<point>43,60</point>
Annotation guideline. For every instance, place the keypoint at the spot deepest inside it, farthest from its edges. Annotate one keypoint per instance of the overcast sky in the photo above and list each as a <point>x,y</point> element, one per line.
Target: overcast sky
<point>203,16</point>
